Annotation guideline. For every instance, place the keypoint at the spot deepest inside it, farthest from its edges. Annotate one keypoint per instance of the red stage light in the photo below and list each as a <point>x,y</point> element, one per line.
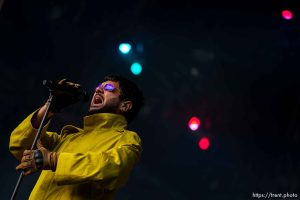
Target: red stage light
<point>286,14</point>
<point>204,143</point>
<point>194,123</point>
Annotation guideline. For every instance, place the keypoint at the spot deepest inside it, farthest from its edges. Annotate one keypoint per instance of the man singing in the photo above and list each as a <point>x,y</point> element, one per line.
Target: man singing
<point>88,163</point>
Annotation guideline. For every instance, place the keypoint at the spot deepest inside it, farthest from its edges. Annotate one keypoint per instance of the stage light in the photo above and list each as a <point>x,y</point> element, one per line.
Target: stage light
<point>204,143</point>
<point>194,123</point>
<point>287,14</point>
<point>136,68</point>
<point>139,48</point>
<point>125,48</point>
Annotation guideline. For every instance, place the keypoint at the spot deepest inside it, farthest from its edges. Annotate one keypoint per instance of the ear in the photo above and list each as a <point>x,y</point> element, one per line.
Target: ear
<point>125,106</point>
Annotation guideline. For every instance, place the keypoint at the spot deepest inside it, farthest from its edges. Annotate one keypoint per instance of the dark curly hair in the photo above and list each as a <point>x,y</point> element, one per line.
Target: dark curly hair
<point>129,92</point>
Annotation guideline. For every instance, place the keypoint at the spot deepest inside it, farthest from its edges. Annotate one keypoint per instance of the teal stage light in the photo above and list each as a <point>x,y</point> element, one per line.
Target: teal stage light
<point>124,48</point>
<point>136,68</point>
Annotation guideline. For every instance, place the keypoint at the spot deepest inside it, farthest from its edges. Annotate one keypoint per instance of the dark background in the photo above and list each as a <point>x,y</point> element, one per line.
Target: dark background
<point>235,65</point>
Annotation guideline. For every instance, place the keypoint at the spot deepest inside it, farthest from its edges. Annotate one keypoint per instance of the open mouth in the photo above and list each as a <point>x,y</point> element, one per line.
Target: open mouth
<point>97,103</point>
<point>97,100</point>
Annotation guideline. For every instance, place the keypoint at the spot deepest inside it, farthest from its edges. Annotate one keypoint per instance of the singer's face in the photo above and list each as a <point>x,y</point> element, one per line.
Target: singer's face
<point>106,98</point>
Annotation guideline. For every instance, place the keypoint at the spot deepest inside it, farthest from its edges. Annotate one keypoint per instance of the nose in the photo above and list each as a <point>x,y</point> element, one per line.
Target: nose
<point>99,89</point>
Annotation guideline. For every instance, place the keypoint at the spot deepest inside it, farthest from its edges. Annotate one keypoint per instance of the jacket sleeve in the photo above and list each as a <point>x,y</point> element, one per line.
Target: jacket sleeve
<point>110,168</point>
<point>23,135</point>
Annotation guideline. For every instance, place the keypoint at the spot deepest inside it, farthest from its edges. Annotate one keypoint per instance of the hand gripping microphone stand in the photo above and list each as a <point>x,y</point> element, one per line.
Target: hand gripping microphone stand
<point>34,141</point>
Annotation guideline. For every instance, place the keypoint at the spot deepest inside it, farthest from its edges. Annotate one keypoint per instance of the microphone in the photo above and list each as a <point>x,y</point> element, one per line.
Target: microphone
<point>78,93</point>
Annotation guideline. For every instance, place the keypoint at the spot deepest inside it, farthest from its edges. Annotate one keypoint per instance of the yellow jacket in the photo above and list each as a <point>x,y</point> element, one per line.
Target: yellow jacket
<point>93,162</point>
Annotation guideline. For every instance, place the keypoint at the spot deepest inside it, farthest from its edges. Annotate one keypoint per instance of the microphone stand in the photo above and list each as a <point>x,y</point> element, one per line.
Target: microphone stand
<point>34,142</point>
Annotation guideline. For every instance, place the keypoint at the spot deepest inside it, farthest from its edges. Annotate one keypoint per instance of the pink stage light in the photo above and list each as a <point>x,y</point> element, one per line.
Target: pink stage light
<point>204,143</point>
<point>286,14</point>
<point>194,123</point>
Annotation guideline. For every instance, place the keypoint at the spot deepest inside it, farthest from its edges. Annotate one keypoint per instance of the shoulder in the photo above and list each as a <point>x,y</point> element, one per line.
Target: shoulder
<point>130,137</point>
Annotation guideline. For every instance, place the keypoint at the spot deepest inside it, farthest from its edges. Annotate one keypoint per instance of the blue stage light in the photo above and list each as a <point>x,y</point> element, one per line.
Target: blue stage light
<point>125,48</point>
<point>136,68</point>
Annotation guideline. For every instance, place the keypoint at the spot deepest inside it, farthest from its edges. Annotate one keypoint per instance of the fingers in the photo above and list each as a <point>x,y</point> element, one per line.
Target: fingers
<point>62,81</point>
<point>27,163</point>
<point>65,83</point>
<point>27,158</point>
<point>27,155</point>
<point>27,167</point>
<point>74,86</point>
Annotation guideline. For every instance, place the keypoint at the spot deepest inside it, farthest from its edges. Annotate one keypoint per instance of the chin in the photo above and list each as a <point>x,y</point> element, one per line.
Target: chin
<point>90,112</point>
<point>93,110</point>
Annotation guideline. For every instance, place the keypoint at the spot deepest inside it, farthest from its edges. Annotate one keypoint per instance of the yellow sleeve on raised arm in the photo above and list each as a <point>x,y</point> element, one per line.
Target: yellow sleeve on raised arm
<point>23,135</point>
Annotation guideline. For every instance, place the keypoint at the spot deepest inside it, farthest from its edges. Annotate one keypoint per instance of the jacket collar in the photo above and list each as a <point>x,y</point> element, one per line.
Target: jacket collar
<point>104,120</point>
